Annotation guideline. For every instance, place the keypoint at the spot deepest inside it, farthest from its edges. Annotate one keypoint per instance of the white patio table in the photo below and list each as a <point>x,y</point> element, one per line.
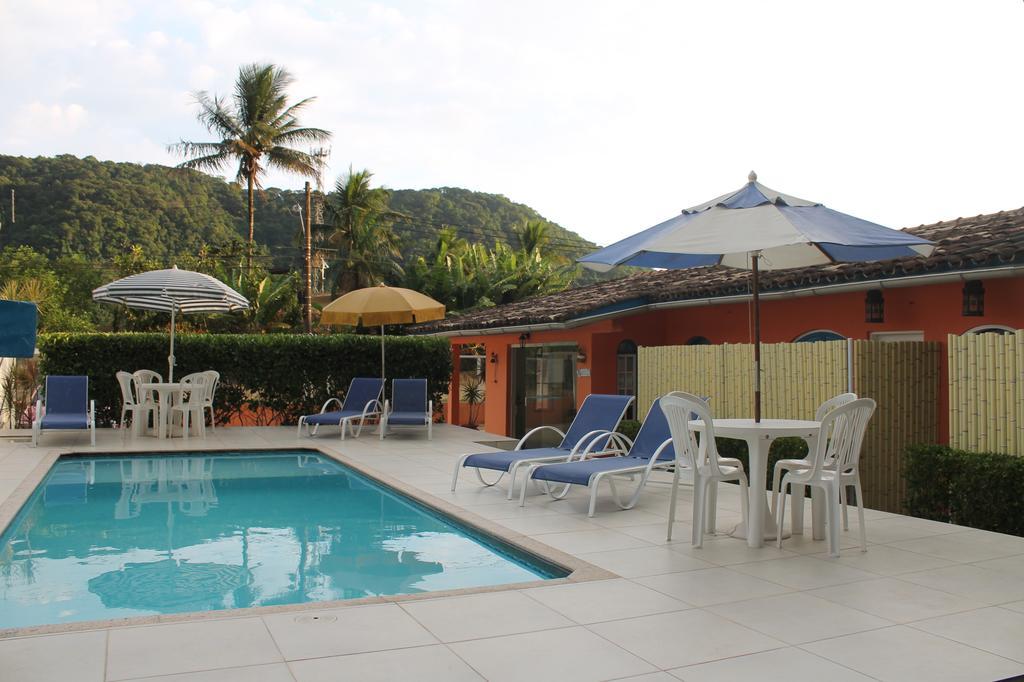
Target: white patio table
<point>166,395</point>
<point>759,437</point>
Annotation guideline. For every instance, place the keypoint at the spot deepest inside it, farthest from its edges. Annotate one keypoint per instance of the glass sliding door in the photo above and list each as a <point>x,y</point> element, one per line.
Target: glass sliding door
<point>543,389</point>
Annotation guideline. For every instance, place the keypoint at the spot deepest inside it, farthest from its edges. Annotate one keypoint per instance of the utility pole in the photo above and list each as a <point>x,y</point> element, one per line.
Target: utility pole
<point>308,298</point>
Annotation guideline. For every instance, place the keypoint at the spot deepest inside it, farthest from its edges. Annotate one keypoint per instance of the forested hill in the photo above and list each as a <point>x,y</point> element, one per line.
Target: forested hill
<point>70,205</point>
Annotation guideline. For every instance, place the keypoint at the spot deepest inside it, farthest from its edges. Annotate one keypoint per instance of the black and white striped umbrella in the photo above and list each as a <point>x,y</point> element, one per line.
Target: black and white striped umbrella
<point>172,291</point>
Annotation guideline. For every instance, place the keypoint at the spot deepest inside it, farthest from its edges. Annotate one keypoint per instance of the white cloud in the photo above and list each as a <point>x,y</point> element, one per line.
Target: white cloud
<point>605,116</point>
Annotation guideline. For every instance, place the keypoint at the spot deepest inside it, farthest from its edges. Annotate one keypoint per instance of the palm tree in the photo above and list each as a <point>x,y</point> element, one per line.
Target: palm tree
<point>360,228</point>
<point>258,130</point>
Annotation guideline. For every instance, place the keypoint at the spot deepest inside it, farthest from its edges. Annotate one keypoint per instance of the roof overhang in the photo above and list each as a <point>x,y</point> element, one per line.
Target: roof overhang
<point>822,290</point>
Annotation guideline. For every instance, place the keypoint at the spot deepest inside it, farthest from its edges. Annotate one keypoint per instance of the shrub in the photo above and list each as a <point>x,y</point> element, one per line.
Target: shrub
<point>977,489</point>
<point>629,428</point>
<point>271,379</point>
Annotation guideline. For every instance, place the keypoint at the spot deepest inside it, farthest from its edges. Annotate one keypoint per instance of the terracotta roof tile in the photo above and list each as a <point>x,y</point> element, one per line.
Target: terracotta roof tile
<point>962,244</point>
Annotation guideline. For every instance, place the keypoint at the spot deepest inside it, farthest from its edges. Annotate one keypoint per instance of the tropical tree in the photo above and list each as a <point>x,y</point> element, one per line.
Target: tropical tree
<point>259,130</point>
<point>360,228</point>
<point>533,236</point>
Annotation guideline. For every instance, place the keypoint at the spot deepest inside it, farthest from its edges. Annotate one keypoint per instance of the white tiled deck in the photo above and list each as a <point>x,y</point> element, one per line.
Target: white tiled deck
<point>927,601</point>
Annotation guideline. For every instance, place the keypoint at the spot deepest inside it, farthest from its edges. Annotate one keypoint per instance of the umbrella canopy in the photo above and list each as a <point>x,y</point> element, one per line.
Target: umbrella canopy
<point>381,305</point>
<point>172,291</point>
<point>761,229</point>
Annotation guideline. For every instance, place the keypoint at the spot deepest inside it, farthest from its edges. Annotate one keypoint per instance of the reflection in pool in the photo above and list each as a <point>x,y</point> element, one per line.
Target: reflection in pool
<point>111,537</point>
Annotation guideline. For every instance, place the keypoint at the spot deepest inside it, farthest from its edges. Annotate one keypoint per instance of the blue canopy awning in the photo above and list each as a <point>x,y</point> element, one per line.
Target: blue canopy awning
<point>17,329</point>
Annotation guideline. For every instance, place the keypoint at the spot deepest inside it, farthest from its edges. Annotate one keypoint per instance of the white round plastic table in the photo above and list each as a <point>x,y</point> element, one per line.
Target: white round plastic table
<point>166,393</point>
<point>759,437</point>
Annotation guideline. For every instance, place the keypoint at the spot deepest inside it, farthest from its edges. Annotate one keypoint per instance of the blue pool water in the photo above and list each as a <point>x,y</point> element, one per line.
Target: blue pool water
<point>119,536</point>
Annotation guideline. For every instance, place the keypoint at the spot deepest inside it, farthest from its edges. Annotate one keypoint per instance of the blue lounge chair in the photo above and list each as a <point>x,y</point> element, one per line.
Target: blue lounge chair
<point>362,401</point>
<point>597,419</point>
<point>67,406</point>
<point>408,406</point>
<point>651,450</point>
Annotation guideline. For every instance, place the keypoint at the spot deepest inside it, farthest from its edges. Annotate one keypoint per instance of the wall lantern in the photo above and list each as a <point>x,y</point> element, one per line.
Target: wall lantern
<point>874,306</point>
<point>523,338</point>
<point>974,299</point>
<point>581,355</point>
<point>494,358</point>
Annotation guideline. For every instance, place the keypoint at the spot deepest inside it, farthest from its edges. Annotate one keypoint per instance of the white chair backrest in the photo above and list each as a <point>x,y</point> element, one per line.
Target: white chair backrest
<point>842,435</point>
<point>833,403</point>
<point>124,380</point>
<point>214,381</point>
<point>145,376</point>
<point>195,388</point>
<point>679,409</point>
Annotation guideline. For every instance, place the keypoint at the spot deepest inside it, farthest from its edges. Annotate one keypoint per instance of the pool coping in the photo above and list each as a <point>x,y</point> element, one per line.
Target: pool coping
<point>579,570</point>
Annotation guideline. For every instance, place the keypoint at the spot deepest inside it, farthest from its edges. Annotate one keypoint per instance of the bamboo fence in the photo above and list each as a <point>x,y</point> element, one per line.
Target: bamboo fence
<point>797,377</point>
<point>986,392</point>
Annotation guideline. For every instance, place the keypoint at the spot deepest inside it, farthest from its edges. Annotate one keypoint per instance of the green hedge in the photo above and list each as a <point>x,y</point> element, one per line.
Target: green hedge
<point>270,378</point>
<point>977,489</point>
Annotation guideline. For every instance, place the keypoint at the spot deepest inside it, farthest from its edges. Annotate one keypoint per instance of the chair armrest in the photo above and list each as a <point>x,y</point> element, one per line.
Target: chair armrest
<point>522,441</point>
<point>372,407</point>
<point>587,442</point>
<point>656,457</point>
<point>329,401</point>
<point>588,449</point>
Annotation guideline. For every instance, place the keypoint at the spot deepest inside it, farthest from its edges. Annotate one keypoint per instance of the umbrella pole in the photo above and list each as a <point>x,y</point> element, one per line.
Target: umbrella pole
<point>170,358</point>
<point>382,352</point>
<point>754,255</point>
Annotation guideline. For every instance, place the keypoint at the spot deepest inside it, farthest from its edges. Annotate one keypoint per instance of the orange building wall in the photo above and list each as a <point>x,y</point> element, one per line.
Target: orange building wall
<point>934,310</point>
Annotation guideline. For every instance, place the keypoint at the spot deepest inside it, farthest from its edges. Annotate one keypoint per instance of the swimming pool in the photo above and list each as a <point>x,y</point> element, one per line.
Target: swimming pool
<point>134,535</point>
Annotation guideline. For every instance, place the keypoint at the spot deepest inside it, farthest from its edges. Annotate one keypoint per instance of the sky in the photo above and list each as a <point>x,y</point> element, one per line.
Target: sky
<point>606,117</point>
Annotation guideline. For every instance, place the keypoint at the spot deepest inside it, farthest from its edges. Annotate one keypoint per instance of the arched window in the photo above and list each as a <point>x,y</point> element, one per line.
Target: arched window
<point>625,372</point>
<point>991,329</point>
<point>698,341</point>
<point>819,335</point>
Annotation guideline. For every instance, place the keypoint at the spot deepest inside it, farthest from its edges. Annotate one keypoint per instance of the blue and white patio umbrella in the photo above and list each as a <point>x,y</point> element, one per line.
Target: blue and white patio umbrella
<point>172,291</point>
<point>759,229</point>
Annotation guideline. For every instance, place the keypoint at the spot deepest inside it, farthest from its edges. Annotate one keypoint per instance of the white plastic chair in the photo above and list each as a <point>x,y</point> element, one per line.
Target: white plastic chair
<point>784,465</point>
<point>703,460</point>
<point>146,376</point>
<point>192,405</point>
<point>213,378</point>
<point>130,403</point>
<point>839,441</point>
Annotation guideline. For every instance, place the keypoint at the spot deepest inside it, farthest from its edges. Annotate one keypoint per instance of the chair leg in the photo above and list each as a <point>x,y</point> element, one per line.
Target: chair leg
<point>776,482</point>
<point>796,501</point>
<point>458,468</point>
<point>711,516</point>
<point>212,419</point>
<point>832,503</point>
<point>672,502</point>
<point>700,486</point>
<point>593,495</point>
<point>842,501</point>
<point>780,519</point>
<point>184,424</point>
<point>302,420</point>
<point>860,515</point>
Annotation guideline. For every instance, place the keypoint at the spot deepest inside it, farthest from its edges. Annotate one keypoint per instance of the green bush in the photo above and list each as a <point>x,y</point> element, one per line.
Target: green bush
<point>271,379</point>
<point>976,489</point>
<point>629,428</point>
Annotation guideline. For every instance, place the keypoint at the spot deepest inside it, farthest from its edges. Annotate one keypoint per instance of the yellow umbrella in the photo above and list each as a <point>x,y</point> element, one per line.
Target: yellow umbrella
<point>381,305</point>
